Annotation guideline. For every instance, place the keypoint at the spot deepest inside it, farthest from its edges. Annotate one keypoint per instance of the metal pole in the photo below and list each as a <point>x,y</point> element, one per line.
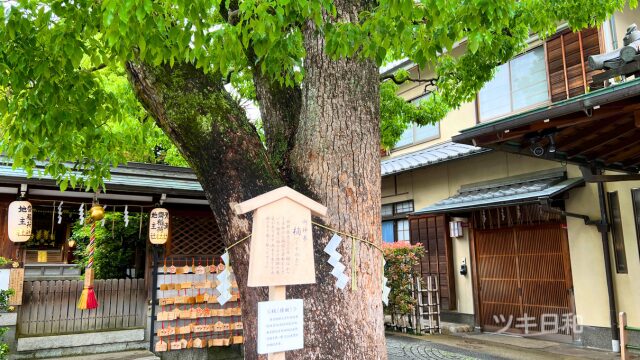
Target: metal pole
<point>154,294</point>
<point>603,227</point>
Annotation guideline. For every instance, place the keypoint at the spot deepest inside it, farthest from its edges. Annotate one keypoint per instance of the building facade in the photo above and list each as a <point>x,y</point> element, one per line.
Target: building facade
<point>531,241</point>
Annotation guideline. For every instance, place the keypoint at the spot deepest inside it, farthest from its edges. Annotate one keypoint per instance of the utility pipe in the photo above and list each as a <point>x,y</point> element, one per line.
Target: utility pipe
<point>603,227</point>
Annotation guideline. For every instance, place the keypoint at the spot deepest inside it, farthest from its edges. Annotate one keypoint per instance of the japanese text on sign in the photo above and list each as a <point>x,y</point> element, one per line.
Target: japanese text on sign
<point>280,326</point>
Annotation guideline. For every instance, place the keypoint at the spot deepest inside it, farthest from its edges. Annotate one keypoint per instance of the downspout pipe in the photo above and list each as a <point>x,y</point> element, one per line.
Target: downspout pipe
<point>603,228</point>
<point>614,36</point>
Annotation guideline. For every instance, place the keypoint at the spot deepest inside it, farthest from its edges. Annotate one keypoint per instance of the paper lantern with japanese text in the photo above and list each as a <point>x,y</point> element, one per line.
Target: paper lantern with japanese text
<point>19,224</point>
<point>159,226</point>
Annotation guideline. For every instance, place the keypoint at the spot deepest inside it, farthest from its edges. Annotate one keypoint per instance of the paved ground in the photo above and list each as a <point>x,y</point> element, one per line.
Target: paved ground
<point>409,348</point>
<point>486,346</point>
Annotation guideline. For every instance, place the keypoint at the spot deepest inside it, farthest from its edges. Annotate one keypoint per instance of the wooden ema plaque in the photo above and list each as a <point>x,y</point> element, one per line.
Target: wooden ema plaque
<point>282,239</point>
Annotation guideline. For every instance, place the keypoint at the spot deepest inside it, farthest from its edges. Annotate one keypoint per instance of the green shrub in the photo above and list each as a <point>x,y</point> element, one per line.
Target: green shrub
<point>116,245</point>
<point>4,307</point>
<point>401,259</point>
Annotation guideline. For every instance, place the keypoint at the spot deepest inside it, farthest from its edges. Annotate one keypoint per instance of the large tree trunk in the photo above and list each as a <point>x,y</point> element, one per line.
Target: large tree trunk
<point>222,147</point>
<point>323,140</point>
<point>337,158</point>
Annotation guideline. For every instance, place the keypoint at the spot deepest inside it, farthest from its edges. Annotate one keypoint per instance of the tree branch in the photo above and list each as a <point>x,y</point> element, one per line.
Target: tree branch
<point>393,78</point>
<point>96,68</point>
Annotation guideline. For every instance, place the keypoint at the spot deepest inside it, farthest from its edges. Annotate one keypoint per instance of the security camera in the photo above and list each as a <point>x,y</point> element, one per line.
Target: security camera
<point>537,149</point>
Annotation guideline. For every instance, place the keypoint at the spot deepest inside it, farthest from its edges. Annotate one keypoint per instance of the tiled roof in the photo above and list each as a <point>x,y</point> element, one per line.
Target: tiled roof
<point>429,156</point>
<point>152,178</point>
<point>137,177</point>
<point>527,188</point>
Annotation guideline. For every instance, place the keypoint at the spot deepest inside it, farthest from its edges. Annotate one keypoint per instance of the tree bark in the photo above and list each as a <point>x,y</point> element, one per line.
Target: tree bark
<point>336,157</point>
<point>323,140</point>
<point>222,147</point>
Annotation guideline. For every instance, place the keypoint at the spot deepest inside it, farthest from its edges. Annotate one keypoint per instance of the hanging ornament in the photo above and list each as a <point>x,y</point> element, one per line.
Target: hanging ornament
<point>88,297</point>
<point>385,289</point>
<point>81,214</point>
<point>334,260</point>
<point>224,279</point>
<point>126,216</point>
<point>20,221</point>
<point>60,212</point>
<point>159,226</point>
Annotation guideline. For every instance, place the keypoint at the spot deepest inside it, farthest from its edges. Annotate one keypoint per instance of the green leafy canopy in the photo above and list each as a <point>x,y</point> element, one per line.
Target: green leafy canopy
<point>66,100</point>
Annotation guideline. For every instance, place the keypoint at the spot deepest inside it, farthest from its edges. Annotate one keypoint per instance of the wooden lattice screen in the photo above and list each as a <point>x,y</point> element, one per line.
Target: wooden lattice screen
<point>195,236</point>
<point>432,231</point>
<point>524,271</point>
<point>509,216</point>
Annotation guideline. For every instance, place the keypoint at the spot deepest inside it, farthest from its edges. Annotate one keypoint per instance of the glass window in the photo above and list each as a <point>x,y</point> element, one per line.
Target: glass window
<point>387,232</point>
<point>616,233</point>
<point>417,133</point>
<point>403,207</point>
<point>395,225</point>
<point>635,195</point>
<point>387,210</point>
<point>494,93</point>
<point>403,230</point>
<point>518,84</point>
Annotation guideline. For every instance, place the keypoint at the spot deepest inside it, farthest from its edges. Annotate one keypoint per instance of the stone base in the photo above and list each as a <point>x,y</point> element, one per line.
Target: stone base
<point>458,318</point>
<point>600,337</point>
<point>84,351</point>
<point>233,352</point>
<point>78,340</point>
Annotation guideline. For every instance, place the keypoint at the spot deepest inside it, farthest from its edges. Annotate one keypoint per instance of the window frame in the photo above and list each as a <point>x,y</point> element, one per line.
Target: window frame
<point>617,236</point>
<point>398,216</point>
<point>414,128</point>
<point>635,200</point>
<point>479,119</point>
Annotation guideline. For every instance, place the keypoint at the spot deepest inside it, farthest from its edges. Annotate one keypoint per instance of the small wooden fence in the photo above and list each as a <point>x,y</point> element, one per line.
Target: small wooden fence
<point>625,347</point>
<point>49,307</point>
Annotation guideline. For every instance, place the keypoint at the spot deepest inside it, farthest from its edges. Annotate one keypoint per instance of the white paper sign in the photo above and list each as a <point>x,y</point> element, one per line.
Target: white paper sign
<point>280,326</point>
<point>4,279</point>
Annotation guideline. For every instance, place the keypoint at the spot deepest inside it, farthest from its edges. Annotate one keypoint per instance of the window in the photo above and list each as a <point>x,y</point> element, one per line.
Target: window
<point>395,225</point>
<point>635,195</point>
<point>616,233</point>
<point>518,84</point>
<point>402,233</point>
<point>415,134</point>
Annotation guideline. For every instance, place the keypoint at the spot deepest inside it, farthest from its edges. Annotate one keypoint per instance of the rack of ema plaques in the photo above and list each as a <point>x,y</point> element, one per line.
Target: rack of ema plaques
<point>191,311</point>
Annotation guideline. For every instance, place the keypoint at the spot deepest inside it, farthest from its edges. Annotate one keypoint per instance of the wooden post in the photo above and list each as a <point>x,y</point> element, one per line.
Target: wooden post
<point>277,293</point>
<point>624,354</point>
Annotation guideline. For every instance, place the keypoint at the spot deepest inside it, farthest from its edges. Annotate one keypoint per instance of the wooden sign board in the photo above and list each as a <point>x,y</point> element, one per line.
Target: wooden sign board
<point>281,239</point>
<point>16,280</point>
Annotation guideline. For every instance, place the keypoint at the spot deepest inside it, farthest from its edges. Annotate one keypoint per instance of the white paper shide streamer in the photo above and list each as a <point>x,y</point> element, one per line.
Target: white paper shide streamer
<point>60,212</point>
<point>81,214</point>
<point>224,279</point>
<point>385,289</point>
<point>334,259</point>
<point>126,216</point>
